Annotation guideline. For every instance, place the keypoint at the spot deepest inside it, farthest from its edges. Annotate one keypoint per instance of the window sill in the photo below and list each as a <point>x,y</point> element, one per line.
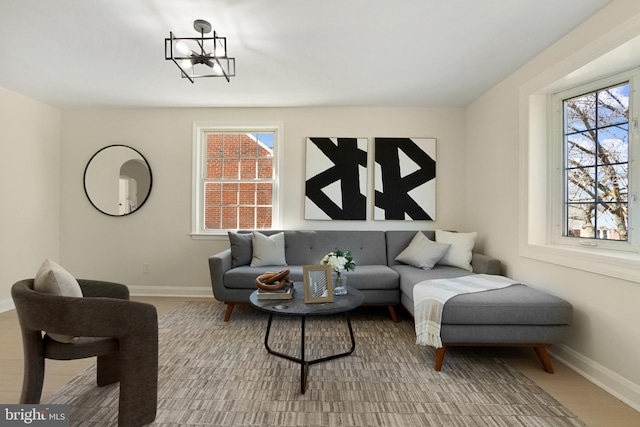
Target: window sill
<point>618,264</point>
<point>209,236</point>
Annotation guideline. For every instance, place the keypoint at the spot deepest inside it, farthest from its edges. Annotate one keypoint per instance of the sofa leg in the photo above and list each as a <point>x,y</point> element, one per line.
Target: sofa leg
<point>541,351</point>
<point>392,313</point>
<point>227,314</point>
<point>440,357</point>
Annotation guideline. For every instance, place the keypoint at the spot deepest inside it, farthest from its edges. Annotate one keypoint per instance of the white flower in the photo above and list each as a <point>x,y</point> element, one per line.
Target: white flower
<point>339,261</point>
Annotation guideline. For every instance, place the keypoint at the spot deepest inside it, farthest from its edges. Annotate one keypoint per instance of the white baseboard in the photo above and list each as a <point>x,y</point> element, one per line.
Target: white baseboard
<point>6,305</point>
<point>171,291</point>
<point>612,383</point>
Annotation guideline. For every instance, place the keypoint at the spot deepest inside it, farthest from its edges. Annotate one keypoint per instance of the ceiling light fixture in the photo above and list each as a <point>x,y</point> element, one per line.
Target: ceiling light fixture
<point>189,54</point>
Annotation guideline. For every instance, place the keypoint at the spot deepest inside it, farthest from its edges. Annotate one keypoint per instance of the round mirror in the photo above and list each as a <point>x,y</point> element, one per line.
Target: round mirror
<point>117,180</point>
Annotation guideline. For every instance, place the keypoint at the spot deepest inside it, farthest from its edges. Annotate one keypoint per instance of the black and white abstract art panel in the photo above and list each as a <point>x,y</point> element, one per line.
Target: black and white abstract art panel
<point>405,179</point>
<point>336,179</point>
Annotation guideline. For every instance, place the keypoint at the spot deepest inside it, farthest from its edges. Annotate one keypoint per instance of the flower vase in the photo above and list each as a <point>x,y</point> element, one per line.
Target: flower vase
<point>339,283</point>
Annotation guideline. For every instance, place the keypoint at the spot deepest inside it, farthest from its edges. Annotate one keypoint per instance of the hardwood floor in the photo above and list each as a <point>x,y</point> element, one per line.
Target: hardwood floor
<point>593,405</point>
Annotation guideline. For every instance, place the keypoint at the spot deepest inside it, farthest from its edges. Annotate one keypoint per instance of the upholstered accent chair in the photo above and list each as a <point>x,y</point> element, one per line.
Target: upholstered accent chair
<point>123,334</point>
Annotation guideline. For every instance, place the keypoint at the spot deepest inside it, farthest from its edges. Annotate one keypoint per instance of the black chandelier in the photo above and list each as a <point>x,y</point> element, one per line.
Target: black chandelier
<point>190,55</point>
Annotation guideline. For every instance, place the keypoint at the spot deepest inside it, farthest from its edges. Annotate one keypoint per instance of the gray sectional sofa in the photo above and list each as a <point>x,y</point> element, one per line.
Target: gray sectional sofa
<point>515,316</point>
<point>377,275</point>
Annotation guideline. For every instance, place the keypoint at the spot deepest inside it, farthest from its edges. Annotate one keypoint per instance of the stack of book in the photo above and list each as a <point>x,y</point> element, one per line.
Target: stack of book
<point>284,293</point>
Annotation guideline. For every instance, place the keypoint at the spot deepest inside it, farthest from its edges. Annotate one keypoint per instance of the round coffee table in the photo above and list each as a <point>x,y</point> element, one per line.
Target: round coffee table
<point>297,307</point>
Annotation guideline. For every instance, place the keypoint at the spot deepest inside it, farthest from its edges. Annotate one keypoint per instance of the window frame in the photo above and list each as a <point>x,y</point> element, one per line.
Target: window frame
<point>200,130</point>
<point>557,178</point>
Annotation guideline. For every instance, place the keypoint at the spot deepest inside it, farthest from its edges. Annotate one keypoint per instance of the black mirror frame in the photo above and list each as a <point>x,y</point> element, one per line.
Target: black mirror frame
<point>84,180</point>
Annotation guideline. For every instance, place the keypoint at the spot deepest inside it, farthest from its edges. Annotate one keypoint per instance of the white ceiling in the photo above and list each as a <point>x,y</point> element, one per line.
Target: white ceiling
<point>438,53</point>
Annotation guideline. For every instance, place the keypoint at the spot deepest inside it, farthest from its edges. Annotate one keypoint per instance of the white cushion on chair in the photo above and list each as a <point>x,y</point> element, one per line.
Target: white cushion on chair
<point>52,279</point>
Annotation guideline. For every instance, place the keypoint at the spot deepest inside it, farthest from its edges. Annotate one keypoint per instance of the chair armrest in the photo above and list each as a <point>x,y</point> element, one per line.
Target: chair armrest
<point>98,288</point>
<point>89,317</point>
<point>219,264</point>
<point>484,264</point>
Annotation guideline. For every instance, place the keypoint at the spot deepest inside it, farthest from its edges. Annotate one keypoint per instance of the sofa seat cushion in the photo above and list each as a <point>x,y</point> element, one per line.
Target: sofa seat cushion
<point>409,275</point>
<point>365,277</point>
<point>514,305</point>
<point>373,277</point>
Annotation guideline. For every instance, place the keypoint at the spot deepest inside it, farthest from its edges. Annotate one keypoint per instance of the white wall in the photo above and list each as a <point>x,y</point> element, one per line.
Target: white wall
<point>29,188</point>
<point>605,345</point>
<point>111,248</point>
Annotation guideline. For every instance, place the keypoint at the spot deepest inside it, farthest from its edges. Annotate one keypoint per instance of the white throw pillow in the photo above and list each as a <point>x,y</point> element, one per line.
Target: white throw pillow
<point>422,252</point>
<point>268,250</point>
<point>459,254</point>
<point>52,279</point>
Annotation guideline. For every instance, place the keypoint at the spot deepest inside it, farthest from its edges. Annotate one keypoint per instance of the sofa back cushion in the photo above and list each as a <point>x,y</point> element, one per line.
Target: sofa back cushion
<point>304,247</point>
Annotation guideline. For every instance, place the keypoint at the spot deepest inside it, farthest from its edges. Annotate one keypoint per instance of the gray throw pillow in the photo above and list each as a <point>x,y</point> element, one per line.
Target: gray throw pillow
<point>241,245</point>
<point>268,250</point>
<point>422,252</point>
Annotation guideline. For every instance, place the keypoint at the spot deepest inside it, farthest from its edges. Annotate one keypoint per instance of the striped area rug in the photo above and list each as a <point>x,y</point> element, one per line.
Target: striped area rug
<point>217,373</point>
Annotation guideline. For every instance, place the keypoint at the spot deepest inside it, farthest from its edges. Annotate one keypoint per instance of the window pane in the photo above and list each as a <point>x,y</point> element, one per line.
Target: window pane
<point>265,168</point>
<point>581,185</point>
<point>247,194</point>
<point>248,168</point>
<point>230,194</point>
<point>614,144</point>
<point>613,105</point>
<point>214,169</point>
<point>212,217</point>
<point>581,150</point>
<point>613,183</point>
<point>264,194</point>
<point>231,168</point>
<point>247,217</point>
<point>214,145</point>
<point>611,221</point>
<point>229,217</point>
<point>263,217</point>
<point>212,193</point>
<point>581,220</point>
<point>232,144</point>
<point>580,113</point>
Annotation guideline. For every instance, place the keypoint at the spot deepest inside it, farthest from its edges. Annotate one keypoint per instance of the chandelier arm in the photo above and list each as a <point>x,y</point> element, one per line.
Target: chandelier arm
<point>226,76</point>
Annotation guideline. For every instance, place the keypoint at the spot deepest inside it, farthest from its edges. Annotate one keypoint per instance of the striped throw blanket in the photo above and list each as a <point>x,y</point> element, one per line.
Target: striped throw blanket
<point>429,297</point>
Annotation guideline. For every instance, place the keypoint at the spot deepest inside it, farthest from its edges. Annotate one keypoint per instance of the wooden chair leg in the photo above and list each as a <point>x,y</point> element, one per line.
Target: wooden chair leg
<point>392,313</point>
<point>440,357</point>
<point>227,314</point>
<point>541,351</point>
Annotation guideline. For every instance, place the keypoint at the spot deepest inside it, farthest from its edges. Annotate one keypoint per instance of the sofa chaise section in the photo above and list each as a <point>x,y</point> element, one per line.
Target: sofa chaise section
<point>518,315</point>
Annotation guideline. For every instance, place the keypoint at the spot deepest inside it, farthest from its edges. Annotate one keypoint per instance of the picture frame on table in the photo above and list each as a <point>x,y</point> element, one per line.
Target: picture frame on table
<point>318,285</point>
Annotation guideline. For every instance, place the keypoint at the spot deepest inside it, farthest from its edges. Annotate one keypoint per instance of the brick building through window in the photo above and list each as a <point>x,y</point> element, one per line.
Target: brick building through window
<point>238,180</point>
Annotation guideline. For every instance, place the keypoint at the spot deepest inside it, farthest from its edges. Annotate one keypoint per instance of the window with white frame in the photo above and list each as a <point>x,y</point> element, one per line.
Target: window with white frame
<point>597,145</point>
<point>234,179</point>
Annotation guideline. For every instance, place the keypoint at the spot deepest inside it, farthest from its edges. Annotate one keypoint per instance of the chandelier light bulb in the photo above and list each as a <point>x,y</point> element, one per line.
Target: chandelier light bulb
<point>186,64</point>
<point>217,69</point>
<point>183,48</point>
